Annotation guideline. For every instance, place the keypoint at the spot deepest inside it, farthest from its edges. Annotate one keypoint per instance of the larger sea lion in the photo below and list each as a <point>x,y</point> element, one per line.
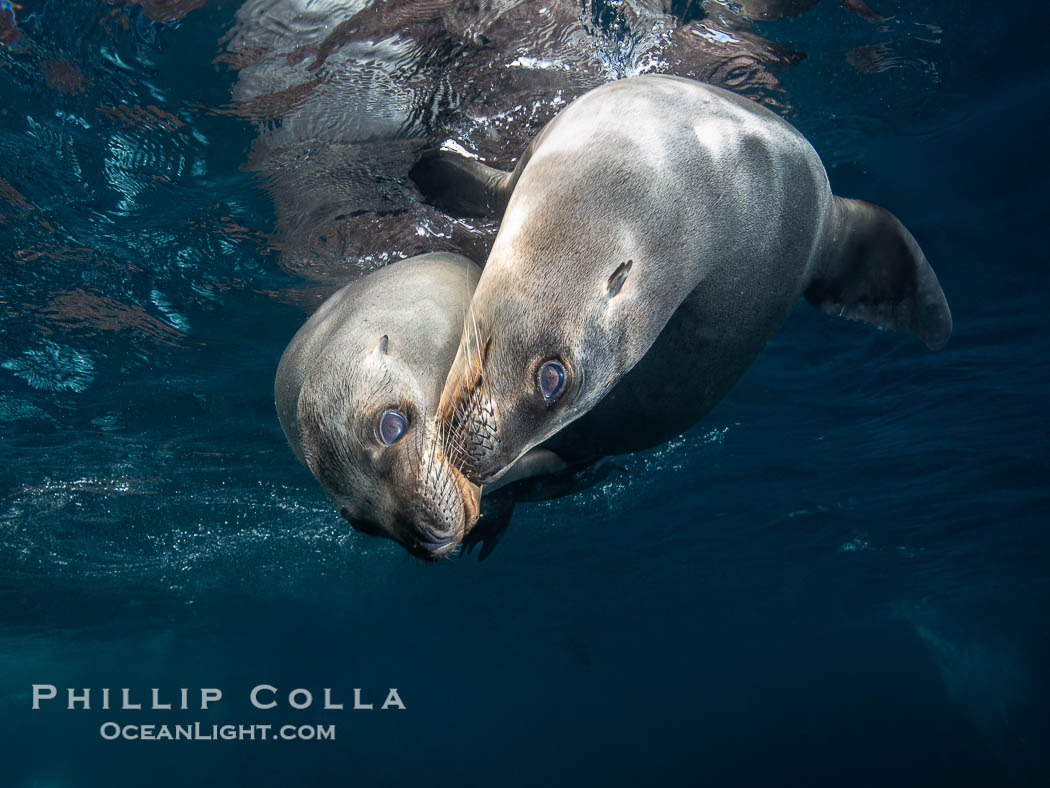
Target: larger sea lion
<point>655,235</point>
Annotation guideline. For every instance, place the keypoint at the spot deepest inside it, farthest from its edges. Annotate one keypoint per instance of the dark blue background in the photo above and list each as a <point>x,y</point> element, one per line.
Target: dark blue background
<point>840,577</point>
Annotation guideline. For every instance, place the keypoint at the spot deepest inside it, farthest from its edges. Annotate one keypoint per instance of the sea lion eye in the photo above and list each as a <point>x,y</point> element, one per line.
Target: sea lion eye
<point>392,425</point>
<point>551,379</point>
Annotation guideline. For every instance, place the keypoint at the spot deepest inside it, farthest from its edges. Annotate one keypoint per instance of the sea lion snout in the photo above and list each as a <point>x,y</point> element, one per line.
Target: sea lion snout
<point>466,411</point>
<point>490,408</point>
<point>432,521</point>
<point>430,541</point>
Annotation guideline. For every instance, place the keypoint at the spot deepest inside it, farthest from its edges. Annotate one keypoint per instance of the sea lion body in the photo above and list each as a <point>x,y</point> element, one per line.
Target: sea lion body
<point>655,235</point>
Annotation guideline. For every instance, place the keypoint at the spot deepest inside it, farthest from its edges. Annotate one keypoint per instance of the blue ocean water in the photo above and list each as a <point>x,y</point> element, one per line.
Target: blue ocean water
<point>841,576</point>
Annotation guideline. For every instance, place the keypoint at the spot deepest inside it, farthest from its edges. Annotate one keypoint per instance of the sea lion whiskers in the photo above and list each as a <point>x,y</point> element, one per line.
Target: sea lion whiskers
<point>449,441</point>
<point>433,446</point>
<point>454,444</point>
<point>439,487</point>
<point>424,477</point>
<point>461,406</point>
<point>471,405</point>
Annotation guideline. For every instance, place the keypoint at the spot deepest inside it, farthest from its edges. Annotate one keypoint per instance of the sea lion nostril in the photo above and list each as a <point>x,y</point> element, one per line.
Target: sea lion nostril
<point>433,530</point>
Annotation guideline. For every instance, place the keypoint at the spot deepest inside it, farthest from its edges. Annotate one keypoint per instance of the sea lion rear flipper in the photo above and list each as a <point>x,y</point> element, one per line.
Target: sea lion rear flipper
<point>462,186</point>
<point>873,270</point>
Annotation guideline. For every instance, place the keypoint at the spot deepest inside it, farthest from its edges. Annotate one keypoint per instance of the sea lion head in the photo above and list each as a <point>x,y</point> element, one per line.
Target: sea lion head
<point>583,273</point>
<point>534,355</point>
<point>368,369</point>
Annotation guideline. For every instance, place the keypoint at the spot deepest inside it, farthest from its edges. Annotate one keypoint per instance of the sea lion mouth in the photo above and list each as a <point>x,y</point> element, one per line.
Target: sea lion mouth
<point>433,549</point>
<point>469,496</point>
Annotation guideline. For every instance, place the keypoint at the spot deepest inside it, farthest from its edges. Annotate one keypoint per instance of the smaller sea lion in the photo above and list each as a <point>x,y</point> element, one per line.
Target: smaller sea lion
<point>356,392</point>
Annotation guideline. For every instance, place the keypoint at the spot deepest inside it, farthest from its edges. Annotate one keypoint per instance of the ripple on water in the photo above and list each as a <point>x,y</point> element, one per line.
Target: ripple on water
<point>15,409</point>
<point>141,532</point>
<point>53,367</point>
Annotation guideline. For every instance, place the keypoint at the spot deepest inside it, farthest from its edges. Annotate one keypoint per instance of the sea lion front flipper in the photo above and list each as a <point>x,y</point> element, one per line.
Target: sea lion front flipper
<point>496,511</point>
<point>498,499</point>
<point>534,463</point>
<point>462,186</point>
<point>873,270</point>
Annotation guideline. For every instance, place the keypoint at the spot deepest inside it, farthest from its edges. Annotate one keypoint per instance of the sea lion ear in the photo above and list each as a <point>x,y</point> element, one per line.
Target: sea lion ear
<point>873,270</point>
<point>617,278</point>
<point>380,346</point>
